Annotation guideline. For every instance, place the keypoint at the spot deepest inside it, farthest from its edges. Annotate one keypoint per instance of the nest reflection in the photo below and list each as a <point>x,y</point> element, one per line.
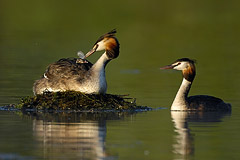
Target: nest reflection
<point>72,135</point>
<point>85,140</point>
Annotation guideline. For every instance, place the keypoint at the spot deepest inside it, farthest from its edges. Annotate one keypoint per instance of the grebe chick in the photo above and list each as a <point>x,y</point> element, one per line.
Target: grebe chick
<point>78,74</point>
<point>81,58</point>
<point>193,103</point>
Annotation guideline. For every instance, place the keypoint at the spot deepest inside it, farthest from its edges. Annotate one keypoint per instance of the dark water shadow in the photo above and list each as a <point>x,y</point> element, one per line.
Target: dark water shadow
<point>184,140</point>
<point>72,135</point>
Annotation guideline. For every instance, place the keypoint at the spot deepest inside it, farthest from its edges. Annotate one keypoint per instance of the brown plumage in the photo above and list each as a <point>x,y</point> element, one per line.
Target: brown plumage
<point>189,73</point>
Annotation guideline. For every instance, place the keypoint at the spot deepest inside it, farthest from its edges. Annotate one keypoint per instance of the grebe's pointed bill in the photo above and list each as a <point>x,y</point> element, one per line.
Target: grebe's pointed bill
<point>168,67</point>
<point>91,51</point>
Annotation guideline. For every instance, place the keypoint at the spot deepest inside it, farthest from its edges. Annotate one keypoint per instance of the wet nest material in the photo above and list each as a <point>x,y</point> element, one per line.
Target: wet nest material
<point>77,101</point>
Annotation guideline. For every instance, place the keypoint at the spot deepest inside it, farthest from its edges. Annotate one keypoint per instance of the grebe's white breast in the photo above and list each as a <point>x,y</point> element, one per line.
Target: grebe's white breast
<point>96,79</point>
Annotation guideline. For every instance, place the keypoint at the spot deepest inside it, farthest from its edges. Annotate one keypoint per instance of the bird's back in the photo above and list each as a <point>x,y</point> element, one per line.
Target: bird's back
<point>207,103</point>
<point>67,68</point>
<point>65,74</point>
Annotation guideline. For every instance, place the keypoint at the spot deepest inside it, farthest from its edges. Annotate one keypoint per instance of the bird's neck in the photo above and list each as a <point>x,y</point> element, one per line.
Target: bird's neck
<point>180,101</point>
<point>97,79</point>
<point>101,63</point>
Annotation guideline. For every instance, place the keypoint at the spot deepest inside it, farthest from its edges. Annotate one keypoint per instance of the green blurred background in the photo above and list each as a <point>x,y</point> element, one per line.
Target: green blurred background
<point>152,33</point>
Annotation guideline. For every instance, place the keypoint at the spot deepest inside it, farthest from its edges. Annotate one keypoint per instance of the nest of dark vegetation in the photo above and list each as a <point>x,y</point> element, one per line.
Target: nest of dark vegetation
<point>77,101</point>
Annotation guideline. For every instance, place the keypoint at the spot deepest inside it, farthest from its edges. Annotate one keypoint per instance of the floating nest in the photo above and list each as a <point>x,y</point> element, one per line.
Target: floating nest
<point>77,101</point>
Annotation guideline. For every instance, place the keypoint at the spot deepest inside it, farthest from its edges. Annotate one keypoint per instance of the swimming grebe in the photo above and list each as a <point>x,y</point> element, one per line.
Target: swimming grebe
<point>79,74</point>
<point>193,103</point>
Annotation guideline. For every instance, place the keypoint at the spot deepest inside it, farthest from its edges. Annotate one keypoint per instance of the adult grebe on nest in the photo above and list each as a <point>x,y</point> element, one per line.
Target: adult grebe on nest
<point>79,74</point>
<point>193,103</point>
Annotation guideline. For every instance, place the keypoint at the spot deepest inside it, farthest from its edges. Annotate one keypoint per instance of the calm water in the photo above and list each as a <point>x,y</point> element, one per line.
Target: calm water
<point>152,34</point>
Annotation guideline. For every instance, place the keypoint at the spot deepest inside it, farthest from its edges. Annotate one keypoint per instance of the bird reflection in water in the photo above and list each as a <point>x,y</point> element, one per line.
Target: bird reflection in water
<point>184,140</point>
<point>78,136</point>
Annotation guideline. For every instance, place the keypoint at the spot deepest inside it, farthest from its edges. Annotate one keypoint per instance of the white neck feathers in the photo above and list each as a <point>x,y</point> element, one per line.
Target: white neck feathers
<point>180,101</point>
<point>97,80</point>
<point>100,64</point>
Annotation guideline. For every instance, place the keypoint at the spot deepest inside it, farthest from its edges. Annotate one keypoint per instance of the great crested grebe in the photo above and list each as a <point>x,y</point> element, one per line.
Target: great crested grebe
<point>193,103</point>
<point>79,74</point>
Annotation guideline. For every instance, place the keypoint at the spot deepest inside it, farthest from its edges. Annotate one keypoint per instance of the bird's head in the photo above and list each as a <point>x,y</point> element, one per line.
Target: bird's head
<point>186,65</point>
<point>107,42</point>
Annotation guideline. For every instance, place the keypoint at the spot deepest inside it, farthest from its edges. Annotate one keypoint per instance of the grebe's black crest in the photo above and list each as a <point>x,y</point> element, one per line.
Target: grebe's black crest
<point>186,60</point>
<point>107,35</point>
